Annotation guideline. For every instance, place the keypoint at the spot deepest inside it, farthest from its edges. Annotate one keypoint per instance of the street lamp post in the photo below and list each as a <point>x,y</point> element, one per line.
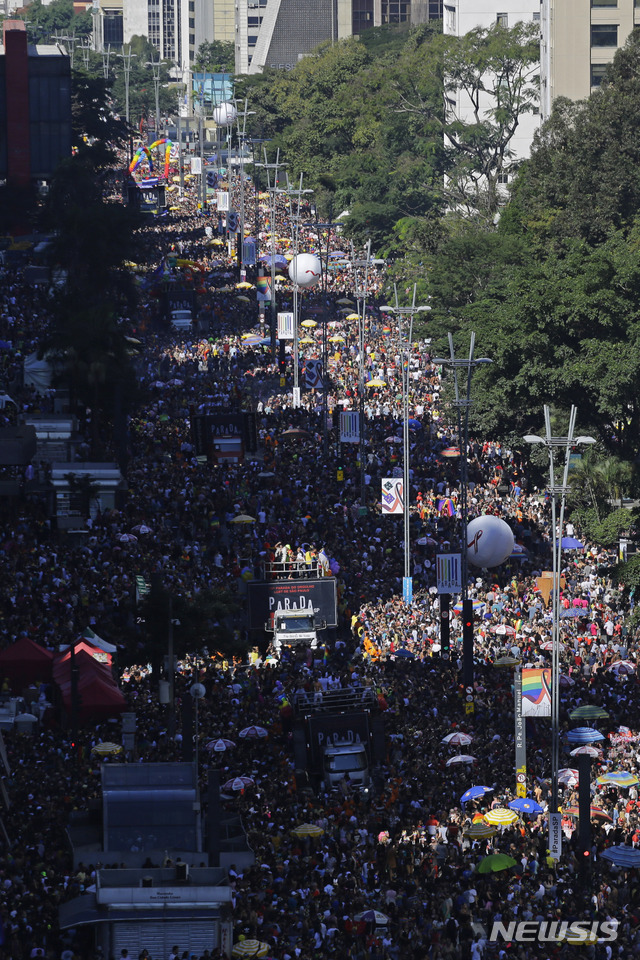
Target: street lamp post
<point>558,494</point>
<point>155,66</point>
<point>462,403</point>
<point>405,337</point>
<point>242,133</point>
<point>296,219</point>
<point>126,58</point>
<point>274,190</point>
<point>361,291</point>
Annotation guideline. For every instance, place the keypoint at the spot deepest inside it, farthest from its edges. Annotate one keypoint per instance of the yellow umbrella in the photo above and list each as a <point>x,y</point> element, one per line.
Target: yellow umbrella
<point>307,830</point>
<point>217,242</point>
<point>174,209</point>
<point>175,179</point>
<point>243,518</point>
<point>307,340</point>
<point>244,286</point>
<point>106,749</point>
<point>308,323</point>
<point>336,339</point>
<point>501,817</point>
<point>250,949</point>
<point>376,383</point>
<point>506,662</point>
<point>352,316</point>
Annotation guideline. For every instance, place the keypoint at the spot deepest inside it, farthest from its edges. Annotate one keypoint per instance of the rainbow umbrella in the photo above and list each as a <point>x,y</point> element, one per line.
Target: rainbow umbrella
<point>619,778</point>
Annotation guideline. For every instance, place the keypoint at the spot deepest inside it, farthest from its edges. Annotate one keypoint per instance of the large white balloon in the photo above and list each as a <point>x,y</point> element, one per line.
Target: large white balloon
<point>305,270</point>
<point>224,114</point>
<point>490,541</point>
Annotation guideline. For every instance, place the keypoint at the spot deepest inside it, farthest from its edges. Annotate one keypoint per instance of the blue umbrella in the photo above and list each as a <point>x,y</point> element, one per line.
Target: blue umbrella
<point>474,792</point>
<point>584,735</point>
<point>572,612</point>
<point>622,856</point>
<point>525,805</point>
<point>403,652</point>
<point>570,543</point>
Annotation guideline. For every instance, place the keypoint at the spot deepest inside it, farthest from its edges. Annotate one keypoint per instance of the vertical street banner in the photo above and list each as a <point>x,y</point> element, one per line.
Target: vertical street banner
<point>449,572</point>
<point>313,374</point>
<point>392,496</point>
<point>349,427</point>
<point>536,692</point>
<point>263,290</point>
<point>555,835</point>
<point>520,736</point>
<point>222,201</point>
<point>285,326</point>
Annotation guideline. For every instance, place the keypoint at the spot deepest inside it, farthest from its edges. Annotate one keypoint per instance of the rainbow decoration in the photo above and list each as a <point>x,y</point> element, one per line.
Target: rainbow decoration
<point>137,158</point>
<point>446,507</point>
<point>146,151</point>
<point>167,152</point>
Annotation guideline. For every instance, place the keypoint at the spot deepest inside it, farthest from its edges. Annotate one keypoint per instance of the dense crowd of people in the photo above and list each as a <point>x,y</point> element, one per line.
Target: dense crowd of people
<point>392,873</point>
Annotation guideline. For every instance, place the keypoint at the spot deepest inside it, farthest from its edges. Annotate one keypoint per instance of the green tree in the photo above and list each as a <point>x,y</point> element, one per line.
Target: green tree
<point>215,56</point>
<point>58,18</point>
<point>493,74</point>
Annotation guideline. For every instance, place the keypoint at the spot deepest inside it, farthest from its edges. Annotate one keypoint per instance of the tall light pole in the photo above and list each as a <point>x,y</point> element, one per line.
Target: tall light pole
<point>155,66</point>
<point>106,56</point>
<point>558,495</point>
<point>126,58</point>
<point>274,191</point>
<point>405,336</point>
<point>296,220</point>
<point>242,133</point>
<point>462,403</point>
<point>361,291</point>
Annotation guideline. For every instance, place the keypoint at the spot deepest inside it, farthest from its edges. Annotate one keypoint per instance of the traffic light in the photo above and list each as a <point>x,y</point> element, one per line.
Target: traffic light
<point>282,366</point>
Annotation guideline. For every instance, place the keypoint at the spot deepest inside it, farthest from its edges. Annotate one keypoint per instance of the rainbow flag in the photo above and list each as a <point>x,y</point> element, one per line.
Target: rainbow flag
<point>536,692</point>
<point>263,288</point>
<point>446,507</point>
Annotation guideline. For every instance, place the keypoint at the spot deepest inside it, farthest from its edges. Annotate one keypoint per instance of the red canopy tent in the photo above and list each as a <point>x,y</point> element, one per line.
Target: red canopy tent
<point>98,698</point>
<point>26,662</point>
<point>85,663</point>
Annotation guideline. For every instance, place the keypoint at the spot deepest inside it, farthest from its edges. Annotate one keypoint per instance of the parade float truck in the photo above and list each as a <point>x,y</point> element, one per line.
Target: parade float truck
<point>294,628</point>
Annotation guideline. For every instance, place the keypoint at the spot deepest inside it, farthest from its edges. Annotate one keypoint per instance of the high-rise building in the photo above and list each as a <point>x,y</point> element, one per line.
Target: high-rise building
<point>278,33</point>
<point>579,39</point>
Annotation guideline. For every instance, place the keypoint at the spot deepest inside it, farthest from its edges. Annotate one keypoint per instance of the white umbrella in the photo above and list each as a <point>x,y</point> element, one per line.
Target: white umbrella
<point>461,758</point>
<point>457,739</point>
<point>587,750</point>
<point>127,538</point>
<point>622,667</point>
<point>253,733</point>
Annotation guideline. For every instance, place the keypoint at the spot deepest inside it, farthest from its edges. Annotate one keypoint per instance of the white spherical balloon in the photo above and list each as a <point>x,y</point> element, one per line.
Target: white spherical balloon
<point>490,541</point>
<point>225,114</point>
<point>305,270</point>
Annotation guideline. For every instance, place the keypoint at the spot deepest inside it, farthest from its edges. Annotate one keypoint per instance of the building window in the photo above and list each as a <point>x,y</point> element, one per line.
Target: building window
<point>450,19</point>
<point>605,3</point>
<point>502,19</point>
<point>503,178</point>
<point>113,29</point>
<point>536,17</point>
<point>604,35</point>
<point>598,71</point>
